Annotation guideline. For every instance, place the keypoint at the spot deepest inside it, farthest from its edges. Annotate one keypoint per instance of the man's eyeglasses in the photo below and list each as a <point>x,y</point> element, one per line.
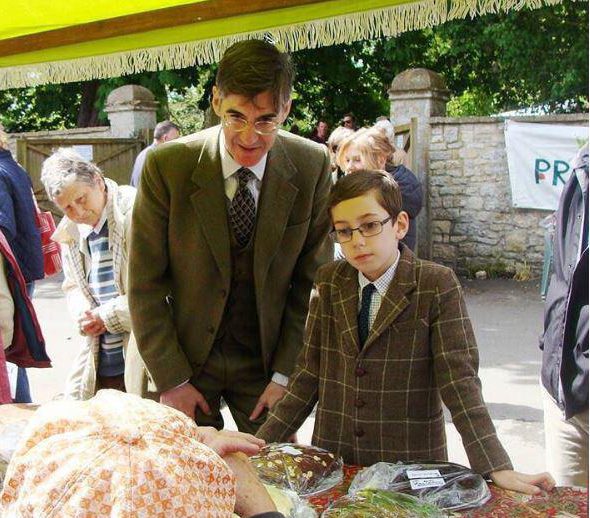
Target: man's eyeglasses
<point>237,124</point>
<point>371,228</point>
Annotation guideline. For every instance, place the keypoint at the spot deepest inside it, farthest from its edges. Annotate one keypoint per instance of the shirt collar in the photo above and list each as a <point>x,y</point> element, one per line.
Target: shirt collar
<point>86,230</point>
<point>383,282</point>
<point>229,166</point>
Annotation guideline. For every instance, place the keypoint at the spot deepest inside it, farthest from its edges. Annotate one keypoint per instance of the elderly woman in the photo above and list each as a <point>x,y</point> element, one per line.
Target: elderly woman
<point>369,148</point>
<point>94,236</point>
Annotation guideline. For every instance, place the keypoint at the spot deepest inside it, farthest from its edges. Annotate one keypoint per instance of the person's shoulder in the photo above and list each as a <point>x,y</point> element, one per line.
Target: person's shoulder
<point>335,273</point>
<point>126,196</point>
<point>189,145</point>
<point>435,275</point>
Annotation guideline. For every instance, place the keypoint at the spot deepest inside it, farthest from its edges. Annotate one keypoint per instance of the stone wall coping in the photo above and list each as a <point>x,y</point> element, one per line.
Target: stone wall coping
<point>564,117</point>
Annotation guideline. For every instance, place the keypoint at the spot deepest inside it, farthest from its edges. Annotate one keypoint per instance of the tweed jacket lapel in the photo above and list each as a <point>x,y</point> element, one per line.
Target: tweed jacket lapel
<point>274,207</point>
<point>395,300</point>
<point>209,203</point>
<point>346,306</point>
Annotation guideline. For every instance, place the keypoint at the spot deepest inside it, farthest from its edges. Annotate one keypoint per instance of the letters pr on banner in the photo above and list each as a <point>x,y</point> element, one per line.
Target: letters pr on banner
<point>539,161</point>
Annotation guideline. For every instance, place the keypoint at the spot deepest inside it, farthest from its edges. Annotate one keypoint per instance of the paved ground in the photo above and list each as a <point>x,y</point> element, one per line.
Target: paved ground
<point>507,317</point>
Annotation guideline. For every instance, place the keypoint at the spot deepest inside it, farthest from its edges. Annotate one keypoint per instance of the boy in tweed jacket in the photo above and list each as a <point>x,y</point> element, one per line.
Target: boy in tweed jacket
<point>378,359</point>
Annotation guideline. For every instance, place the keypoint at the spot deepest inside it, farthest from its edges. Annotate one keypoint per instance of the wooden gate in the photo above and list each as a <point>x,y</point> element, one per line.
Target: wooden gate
<point>404,139</point>
<point>114,156</point>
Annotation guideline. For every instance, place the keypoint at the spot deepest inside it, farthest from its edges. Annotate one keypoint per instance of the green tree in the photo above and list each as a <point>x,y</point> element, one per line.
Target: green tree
<point>528,59</point>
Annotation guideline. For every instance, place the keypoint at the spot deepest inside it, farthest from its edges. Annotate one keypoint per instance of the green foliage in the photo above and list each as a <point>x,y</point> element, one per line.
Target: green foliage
<point>41,108</point>
<point>528,59</point>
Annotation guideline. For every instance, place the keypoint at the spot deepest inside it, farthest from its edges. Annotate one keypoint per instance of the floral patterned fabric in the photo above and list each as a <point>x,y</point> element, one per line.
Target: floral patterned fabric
<point>115,455</point>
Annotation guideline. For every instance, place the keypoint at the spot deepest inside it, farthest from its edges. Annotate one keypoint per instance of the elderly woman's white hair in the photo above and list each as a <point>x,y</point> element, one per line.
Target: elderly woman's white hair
<point>65,166</point>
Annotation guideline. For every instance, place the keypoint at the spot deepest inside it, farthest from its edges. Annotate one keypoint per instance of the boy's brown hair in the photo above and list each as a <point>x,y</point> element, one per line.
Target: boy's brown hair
<point>359,183</point>
<point>252,67</point>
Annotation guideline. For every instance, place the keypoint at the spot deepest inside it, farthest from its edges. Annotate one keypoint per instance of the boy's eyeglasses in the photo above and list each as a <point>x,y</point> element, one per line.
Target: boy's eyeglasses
<point>371,228</point>
<point>237,124</point>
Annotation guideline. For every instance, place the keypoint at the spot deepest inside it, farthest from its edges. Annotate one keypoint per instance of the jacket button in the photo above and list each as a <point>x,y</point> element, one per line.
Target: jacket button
<point>360,372</point>
<point>359,403</point>
<point>223,293</point>
<point>210,330</point>
<point>359,432</point>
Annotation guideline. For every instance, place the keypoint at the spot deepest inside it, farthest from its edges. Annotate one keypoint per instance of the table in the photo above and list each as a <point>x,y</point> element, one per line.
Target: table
<point>562,502</point>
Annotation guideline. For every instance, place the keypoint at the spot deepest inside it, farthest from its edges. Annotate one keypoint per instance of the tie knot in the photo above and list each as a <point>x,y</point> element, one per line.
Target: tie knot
<point>368,290</point>
<point>244,175</point>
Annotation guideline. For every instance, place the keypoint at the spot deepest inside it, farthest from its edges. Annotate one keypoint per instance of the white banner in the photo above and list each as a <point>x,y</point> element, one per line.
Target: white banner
<point>539,158</point>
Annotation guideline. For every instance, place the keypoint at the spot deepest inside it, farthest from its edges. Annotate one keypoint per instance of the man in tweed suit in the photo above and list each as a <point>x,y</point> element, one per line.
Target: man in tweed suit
<point>229,227</point>
<point>378,368</point>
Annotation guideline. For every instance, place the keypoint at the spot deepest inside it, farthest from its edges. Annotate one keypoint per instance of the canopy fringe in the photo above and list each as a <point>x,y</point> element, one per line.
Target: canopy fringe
<point>389,21</point>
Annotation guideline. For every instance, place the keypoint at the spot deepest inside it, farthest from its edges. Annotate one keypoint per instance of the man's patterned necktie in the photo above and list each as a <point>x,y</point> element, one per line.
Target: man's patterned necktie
<point>242,210</point>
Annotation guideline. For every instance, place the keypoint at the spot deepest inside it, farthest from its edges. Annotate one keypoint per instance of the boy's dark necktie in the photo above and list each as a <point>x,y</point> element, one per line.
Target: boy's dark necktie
<point>363,320</point>
<point>242,210</point>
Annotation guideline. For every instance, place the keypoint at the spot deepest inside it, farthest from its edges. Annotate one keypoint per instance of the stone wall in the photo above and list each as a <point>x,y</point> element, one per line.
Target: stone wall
<point>473,224</point>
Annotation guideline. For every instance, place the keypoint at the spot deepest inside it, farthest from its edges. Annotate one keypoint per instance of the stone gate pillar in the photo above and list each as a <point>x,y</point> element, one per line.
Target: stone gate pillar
<point>132,111</point>
<point>416,95</point>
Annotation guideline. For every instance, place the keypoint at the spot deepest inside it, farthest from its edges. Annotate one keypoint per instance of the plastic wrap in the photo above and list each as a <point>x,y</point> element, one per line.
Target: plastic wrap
<point>378,503</point>
<point>307,470</point>
<point>449,486</point>
<point>289,503</point>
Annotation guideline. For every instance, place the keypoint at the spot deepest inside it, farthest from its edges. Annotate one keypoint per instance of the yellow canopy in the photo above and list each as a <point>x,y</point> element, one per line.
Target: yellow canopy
<point>60,41</point>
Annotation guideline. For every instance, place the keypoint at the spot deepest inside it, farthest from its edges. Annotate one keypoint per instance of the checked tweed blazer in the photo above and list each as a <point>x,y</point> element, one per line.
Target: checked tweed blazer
<point>383,403</point>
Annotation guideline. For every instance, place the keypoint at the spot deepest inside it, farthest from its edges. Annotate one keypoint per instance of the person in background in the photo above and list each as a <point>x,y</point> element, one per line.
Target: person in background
<point>399,156</point>
<point>320,133</point>
<point>229,227</point>
<point>564,372</point>
<point>6,331</point>
<point>349,121</point>
<point>387,342</point>
<point>18,222</point>
<point>369,148</point>
<point>334,140</point>
<point>94,236</point>
<point>163,132</point>
<point>20,333</point>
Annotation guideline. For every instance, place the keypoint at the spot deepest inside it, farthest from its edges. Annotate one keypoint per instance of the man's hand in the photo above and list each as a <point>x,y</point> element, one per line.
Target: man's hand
<point>185,398</point>
<point>224,442</point>
<point>528,484</point>
<point>272,393</point>
<point>90,324</point>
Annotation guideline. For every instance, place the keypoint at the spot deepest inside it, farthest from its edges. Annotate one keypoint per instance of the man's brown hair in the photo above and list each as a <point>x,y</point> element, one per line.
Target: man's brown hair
<point>252,67</point>
<point>357,184</point>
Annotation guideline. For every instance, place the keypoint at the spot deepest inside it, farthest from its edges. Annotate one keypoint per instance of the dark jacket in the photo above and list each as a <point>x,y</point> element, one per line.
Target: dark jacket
<point>565,338</point>
<point>411,189</point>
<point>18,217</point>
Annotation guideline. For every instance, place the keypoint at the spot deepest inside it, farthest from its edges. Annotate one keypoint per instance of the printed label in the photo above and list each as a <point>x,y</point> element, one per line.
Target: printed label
<point>290,450</point>
<point>423,473</point>
<point>421,483</point>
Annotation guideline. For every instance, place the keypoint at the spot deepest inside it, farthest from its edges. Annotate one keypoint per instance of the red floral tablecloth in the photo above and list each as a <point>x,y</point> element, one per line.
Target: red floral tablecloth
<point>562,502</point>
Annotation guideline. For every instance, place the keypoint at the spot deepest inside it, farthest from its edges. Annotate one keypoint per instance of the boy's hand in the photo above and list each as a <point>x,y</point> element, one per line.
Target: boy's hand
<point>523,483</point>
<point>272,393</point>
